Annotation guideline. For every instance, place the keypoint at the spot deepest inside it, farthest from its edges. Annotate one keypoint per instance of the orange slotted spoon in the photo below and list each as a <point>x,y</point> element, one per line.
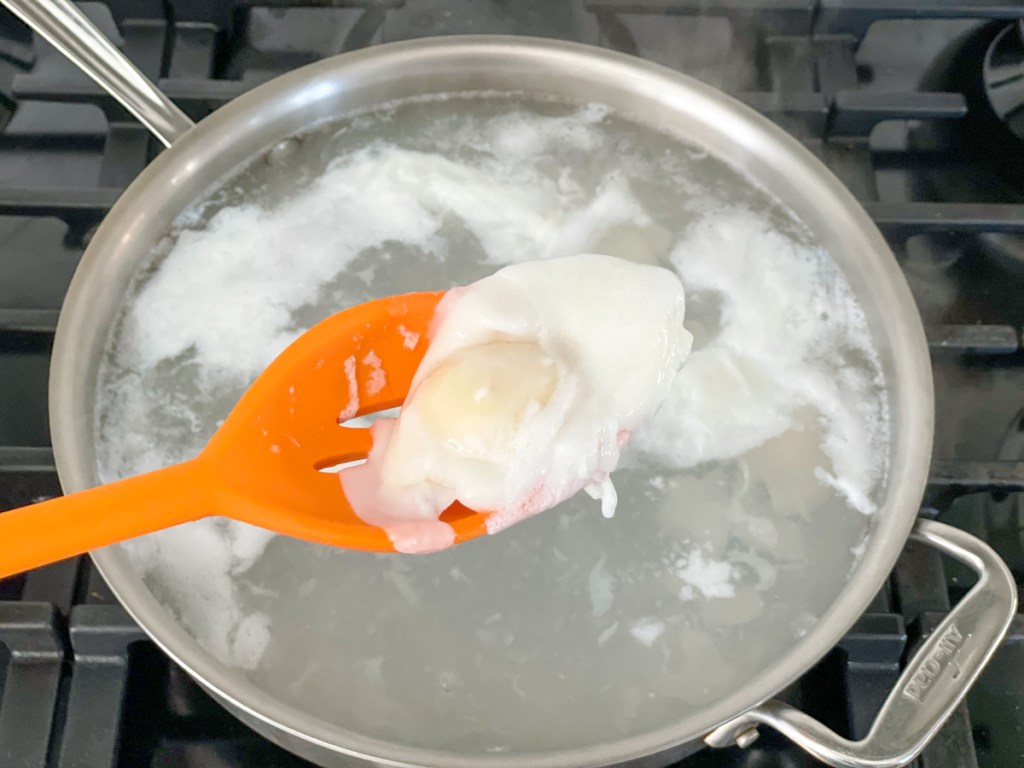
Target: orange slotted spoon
<point>262,465</point>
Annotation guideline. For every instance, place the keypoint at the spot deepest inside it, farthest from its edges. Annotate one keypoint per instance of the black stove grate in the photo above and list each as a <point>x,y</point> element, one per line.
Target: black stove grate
<point>81,686</point>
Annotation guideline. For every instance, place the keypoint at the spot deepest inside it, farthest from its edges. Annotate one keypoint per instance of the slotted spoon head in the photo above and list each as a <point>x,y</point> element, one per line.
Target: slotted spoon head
<point>265,460</point>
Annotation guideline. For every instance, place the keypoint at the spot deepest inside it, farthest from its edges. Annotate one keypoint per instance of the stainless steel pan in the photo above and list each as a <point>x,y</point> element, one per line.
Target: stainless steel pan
<point>944,667</point>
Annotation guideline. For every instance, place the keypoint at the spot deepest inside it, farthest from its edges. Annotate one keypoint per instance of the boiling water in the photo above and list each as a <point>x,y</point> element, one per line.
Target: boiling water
<point>742,504</point>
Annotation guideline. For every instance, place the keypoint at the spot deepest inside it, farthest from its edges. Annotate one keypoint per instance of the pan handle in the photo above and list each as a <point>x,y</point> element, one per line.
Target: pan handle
<point>933,684</point>
<point>70,32</point>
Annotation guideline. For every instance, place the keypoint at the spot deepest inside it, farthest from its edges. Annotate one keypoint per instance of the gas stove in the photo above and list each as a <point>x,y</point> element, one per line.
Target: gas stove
<point>917,105</point>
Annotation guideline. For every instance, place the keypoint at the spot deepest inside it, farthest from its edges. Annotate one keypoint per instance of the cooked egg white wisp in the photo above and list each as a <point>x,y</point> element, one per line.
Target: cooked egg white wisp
<point>533,381</point>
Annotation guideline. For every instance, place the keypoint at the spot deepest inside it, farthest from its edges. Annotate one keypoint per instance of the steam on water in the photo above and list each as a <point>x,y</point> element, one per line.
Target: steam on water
<point>741,504</point>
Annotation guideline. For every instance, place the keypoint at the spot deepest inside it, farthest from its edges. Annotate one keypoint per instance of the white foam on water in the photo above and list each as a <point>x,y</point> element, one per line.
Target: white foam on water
<point>251,638</point>
<point>647,631</point>
<point>786,322</point>
<point>253,268</point>
<point>711,577</point>
<point>613,204</point>
<point>197,564</point>
<point>525,136</point>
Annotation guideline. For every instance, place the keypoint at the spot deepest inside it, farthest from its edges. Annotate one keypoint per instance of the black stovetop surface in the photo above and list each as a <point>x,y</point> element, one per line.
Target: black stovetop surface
<point>911,102</point>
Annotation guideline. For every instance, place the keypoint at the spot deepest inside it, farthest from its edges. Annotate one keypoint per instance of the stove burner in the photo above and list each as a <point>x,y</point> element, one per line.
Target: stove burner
<point>1003,81</point>
<point>985,151</point>
<point>1003,74</point>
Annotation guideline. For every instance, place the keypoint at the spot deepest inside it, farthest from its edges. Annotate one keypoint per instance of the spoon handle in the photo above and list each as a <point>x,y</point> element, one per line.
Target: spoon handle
<point>53,530</point>
<point>68,30</point>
